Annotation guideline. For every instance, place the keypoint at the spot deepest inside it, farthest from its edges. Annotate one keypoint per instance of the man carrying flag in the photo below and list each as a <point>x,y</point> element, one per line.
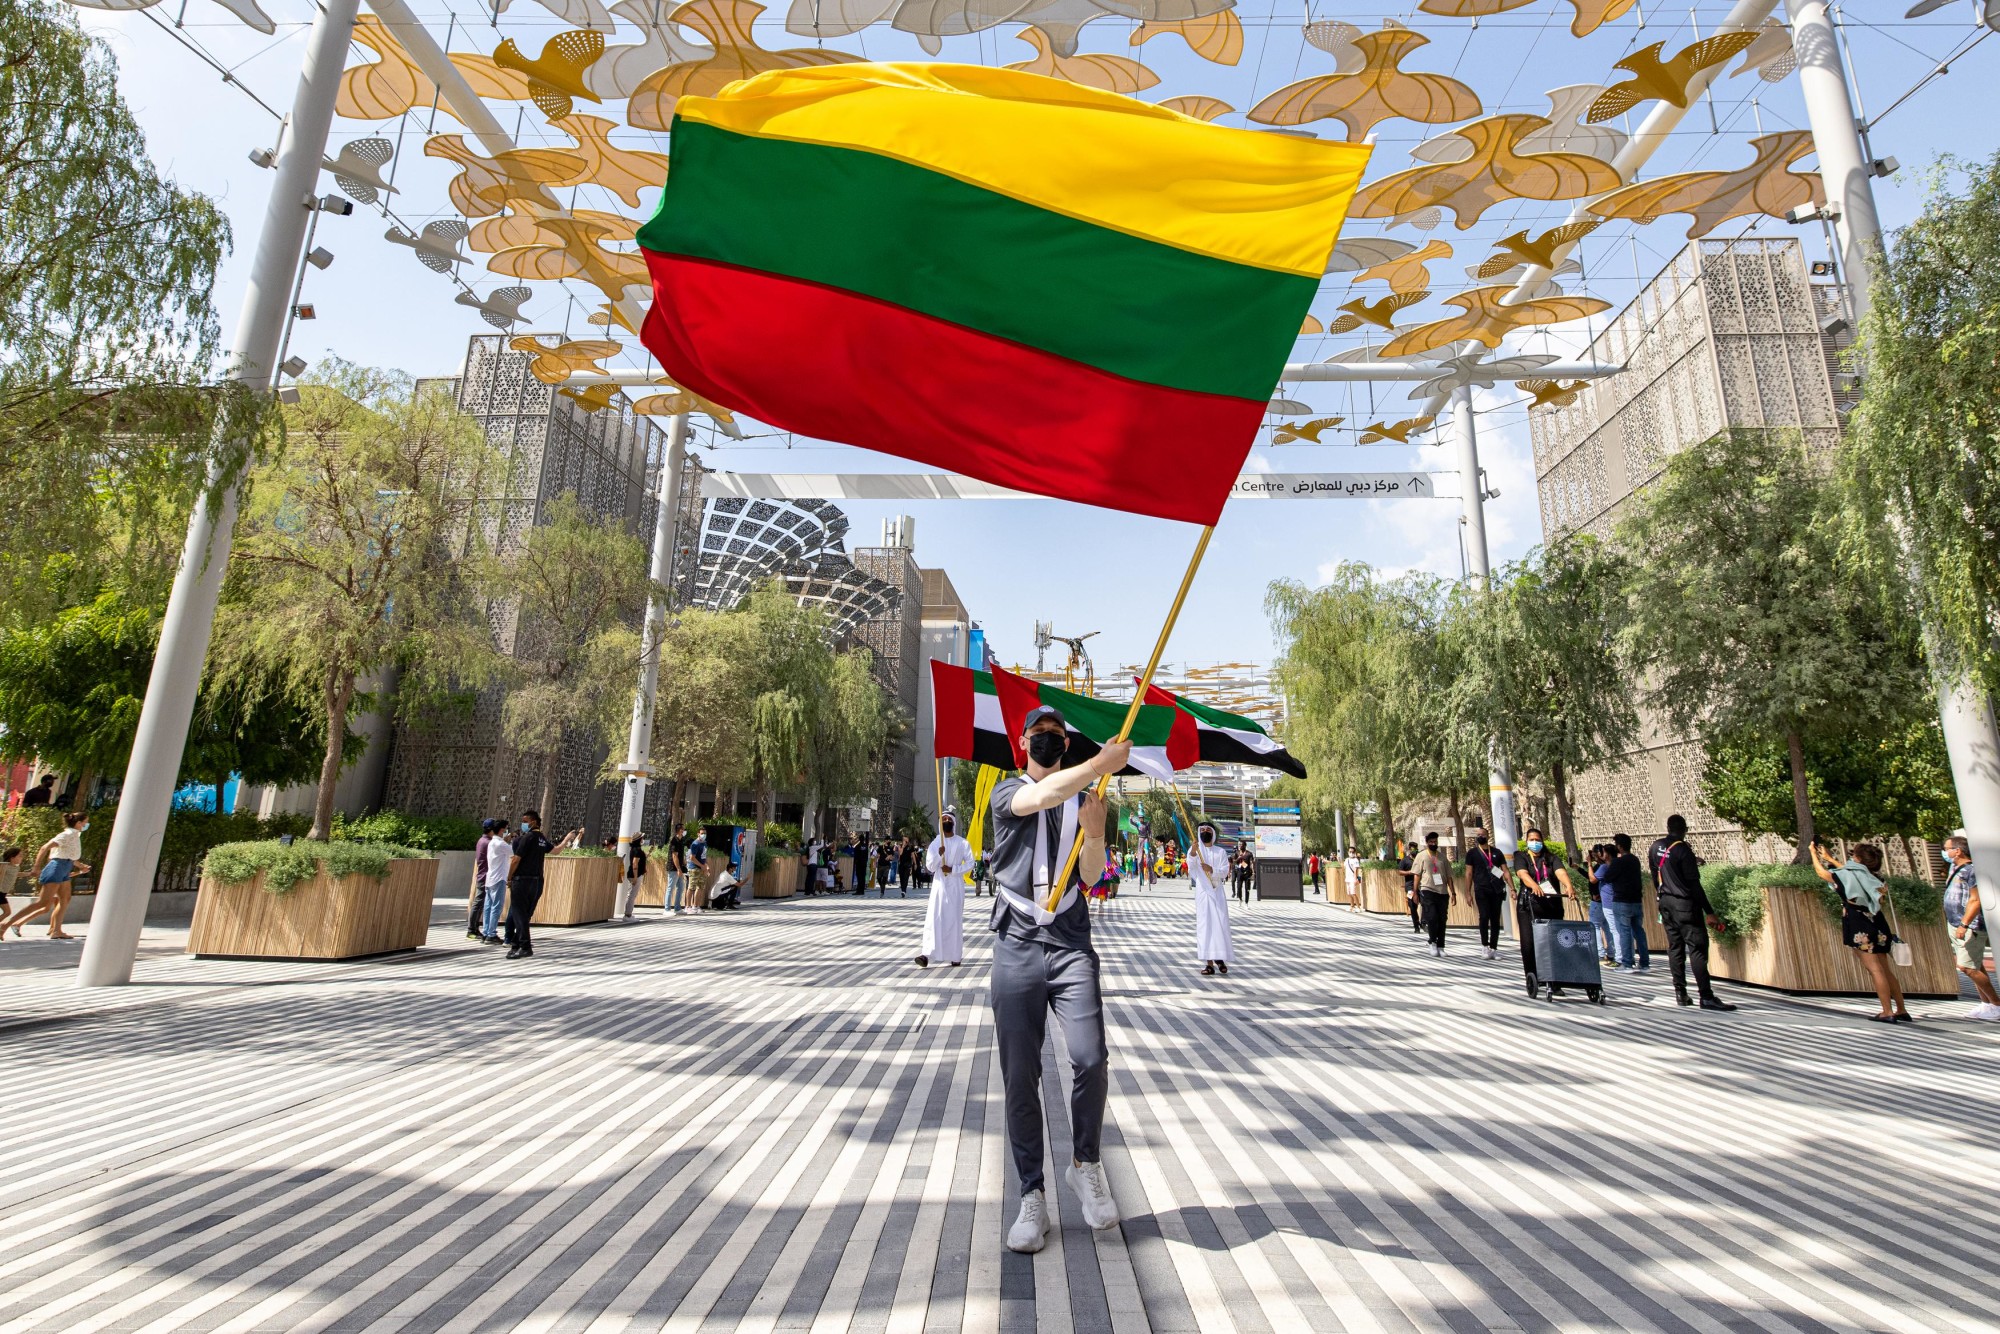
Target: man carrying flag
<point>1043,962</point>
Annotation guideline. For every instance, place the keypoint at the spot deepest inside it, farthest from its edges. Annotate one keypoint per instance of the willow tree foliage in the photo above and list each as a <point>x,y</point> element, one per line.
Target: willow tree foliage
<point>1541,665</point>
<point>577,585</point>
<point>72,685</point>
<point>346,563</point>
<point>1745,619</point>
<point>107,328</point>
<point>1921,464</point>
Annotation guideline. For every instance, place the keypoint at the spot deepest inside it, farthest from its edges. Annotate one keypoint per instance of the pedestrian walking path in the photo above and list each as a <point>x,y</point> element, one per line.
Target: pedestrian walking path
<point>772,1120</point>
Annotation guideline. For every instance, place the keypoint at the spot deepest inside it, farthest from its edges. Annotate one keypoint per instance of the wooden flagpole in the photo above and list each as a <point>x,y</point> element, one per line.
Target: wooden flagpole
<point>937,766</point>
<point>1138,698</point>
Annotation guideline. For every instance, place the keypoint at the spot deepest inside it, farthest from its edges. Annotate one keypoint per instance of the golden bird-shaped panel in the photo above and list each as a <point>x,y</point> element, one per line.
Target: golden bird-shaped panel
<point>518,228</point>
<point>1354,253</point>
<point>489,80</point>
<point>622,171</point>
<point>1200,108</point>
<point>1338,40</point>
<point>385,87</point>
<point>1216,38</point>
<point>1520,248</point>
<point>1381,314</point>
<point>1306,431</point>
<point>592,398</point>
<point>576,253</point>
<point>628,312</point>
<point>1568,132</point>
<point>1551,393</point>
<point>1712,198</point>
<point>679,401</point>
<point>1653,79</point>
<point>1494,171</point>
<point>486,185</point>
<point>1594,14</point>
<point>623,68</point>
<point>1311,325</point>
<point>727,26</point>
<point>1375,433</point>
<point>553,365</point>
<point>1471,9</point>
<point>822,19</point>
<point>1771,55</point>
<point>1410,272</point>
<point>1487,321</point>
<point>557,76</point>
<point>1381,91</point>
<point>1114,74</point>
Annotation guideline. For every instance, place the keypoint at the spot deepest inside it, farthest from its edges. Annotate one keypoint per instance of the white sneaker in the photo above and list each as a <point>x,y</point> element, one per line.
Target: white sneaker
<point>1985,1012</point>
<point>1032,1226</point>
<point>1100,1211</point>
<point>1492,953</point>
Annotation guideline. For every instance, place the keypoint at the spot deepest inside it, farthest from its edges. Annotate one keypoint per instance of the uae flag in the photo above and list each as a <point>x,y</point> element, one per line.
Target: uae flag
<point>1204,732</point>
<point>978,717</point>
<point>1041,285</point>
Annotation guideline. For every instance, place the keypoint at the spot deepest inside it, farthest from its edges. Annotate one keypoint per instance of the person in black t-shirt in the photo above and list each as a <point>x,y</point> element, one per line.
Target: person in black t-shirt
<point>1626,910</point>
<point>1043,962</point>
<point>524,890</point>
<point>1488,870</point>
<point>1542,884</point>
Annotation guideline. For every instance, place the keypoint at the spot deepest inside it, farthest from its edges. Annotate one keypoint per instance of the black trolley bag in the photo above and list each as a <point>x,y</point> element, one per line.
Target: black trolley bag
<point>1557,954</point>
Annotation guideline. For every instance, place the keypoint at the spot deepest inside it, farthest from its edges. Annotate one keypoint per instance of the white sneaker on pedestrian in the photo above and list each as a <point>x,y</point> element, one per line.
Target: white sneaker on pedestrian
<point>1100,1211</point>
<point>1032,1226</point>
<point>1492,953</point>
<point>1985,1012</point>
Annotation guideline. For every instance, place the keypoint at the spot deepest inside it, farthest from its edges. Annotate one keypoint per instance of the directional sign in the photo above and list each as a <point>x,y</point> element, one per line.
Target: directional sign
<point>904,486</point>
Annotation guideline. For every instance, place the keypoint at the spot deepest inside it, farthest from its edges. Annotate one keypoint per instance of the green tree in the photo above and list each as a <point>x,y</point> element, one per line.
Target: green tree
<point>107,328</point>
<point>847,732</point>
<point>1744,618</point>
<point>1542,665</point>
<point>1920,464</point>
<point>72,686</point>
<point>1885,782</point>
<point>702,723</point>
<point>578,584</point>
<point>1335,669</point>
<point>343,564</point>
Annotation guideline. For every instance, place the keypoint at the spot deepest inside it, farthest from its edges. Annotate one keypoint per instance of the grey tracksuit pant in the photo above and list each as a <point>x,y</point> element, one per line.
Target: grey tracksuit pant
<point>1029,981</point>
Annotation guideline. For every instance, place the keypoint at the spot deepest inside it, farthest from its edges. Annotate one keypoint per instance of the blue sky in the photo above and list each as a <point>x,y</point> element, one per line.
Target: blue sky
<point>1017,562</point>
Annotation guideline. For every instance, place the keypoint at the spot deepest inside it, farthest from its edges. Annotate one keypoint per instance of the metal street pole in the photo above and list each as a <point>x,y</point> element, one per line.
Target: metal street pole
<point>134,854</point>
<point>1964,710</point>
<point>1465,439</point>
<point>639,744</point>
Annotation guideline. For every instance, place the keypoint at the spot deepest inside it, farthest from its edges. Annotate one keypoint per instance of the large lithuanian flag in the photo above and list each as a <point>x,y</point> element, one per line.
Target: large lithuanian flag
<point>978,715</point>
<point>1018,278</point>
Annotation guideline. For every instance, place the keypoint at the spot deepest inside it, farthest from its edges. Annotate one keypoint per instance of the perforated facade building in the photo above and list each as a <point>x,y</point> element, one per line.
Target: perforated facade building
<point>1728,335</point>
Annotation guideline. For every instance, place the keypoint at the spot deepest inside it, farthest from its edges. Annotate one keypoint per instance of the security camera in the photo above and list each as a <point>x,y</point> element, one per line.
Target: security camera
<point>304,311</point>
<point>293,366</point>
<point>319,257</point>
<point>288,395</point>
<point>335,205</point>
<point>1805,213</point>
<point>1833,326</point>
<point>1885,166</point>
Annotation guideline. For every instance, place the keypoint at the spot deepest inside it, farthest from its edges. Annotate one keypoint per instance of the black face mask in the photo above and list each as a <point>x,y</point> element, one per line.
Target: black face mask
<point>1207,837</point>
<point>1046,748</point>
<point>948,828</point>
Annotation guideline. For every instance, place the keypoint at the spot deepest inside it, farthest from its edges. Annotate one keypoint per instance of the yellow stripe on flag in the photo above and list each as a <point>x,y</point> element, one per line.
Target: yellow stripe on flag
<point>1271,201</point>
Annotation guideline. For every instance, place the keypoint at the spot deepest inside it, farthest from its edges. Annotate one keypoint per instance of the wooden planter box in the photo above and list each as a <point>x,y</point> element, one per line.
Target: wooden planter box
<point>350,918</point>
<point>577,891</point>
<point>1799,949</point>
<point>779,880</point>
<point>1382,891</point>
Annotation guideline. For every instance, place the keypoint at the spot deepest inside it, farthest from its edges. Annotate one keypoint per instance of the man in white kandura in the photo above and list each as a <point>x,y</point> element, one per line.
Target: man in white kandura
<point>948,858</point>
<point>1208,868</point>
<point>1043,963</point>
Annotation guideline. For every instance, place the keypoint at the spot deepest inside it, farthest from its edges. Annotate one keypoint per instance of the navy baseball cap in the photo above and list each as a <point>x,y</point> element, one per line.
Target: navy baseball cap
<point>1043,713</point>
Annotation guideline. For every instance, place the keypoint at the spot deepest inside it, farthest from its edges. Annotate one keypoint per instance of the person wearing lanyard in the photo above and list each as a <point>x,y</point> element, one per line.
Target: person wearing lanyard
<point>1543,884</point>
<point>1043,962</point>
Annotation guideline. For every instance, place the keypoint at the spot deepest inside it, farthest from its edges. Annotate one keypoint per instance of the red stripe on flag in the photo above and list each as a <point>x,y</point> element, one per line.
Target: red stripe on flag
<point>831,364</point>
<point>952,710</point>
<point>1184,741</point>
<point>1017,695</point>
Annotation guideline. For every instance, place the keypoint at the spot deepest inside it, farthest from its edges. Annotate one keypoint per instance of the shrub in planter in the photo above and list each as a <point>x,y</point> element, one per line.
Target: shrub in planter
<point>778,834</point>
<point>285,865</point>
<point>433,833</point>
<point>585,852</point>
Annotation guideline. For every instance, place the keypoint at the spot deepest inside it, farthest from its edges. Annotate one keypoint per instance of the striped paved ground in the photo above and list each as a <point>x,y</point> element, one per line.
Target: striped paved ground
<point>770,1120</point>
